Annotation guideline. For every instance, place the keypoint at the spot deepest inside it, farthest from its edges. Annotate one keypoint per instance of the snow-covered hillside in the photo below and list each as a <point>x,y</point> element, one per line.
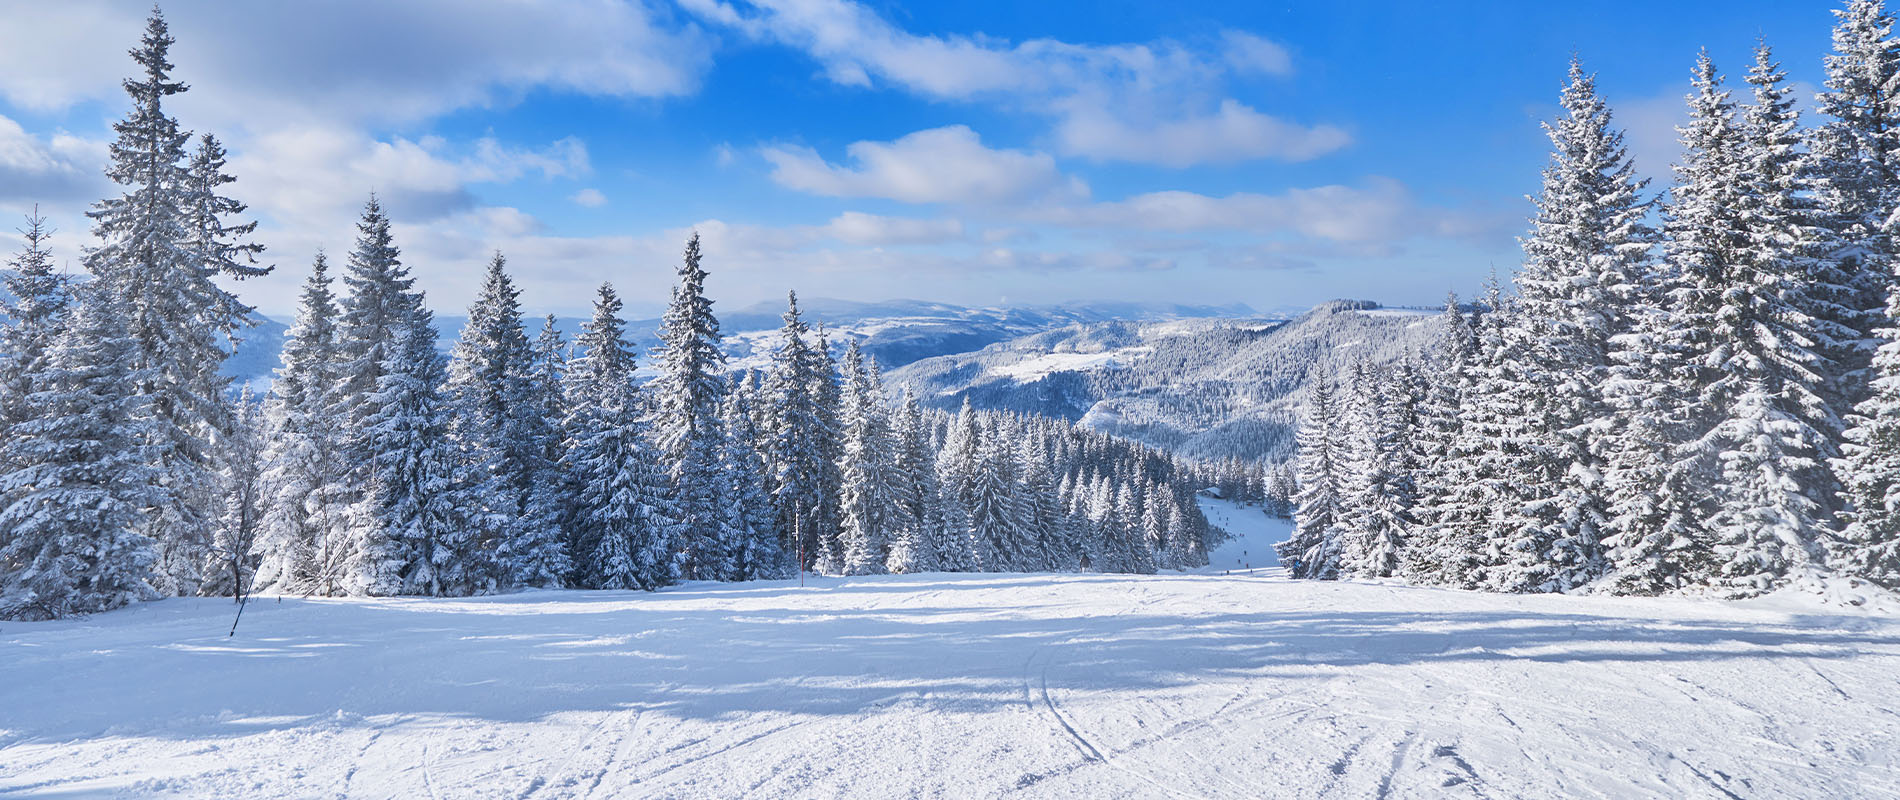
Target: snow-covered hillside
<point>1204,388</point>
<point>1204,685</point>
<point>896,332</point>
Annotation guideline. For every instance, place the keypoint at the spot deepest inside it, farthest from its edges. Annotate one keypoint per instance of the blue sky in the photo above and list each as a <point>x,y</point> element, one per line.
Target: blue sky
<point>971,152</point>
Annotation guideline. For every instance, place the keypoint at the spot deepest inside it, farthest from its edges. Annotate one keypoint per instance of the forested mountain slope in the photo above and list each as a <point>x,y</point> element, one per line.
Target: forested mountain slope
<point>1204,388</point>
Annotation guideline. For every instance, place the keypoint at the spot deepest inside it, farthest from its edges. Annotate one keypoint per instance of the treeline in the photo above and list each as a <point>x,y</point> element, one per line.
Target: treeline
<point>378,465</point>
<point>1710,405</point>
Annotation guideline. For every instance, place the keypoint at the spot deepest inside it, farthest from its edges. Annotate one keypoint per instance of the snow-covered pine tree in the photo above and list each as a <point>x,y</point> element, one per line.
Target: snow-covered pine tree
<point>1730,233</point>
<point>1852,163</point>
<point>914,483</point>
<point>995,519</point>
<point>1869,545</point>
<point>1378,488</point>
<point>379,312</point>
<point>687,394</point>
<point>1439,425</point>
<point>865,466</point>
<point>1655,476</point>
<point>232,564</point>
<point>306,514</point>
<point>1313,550</point>
<point>749,523</point>
<point>34,307</point>
<point>550,497</point>
<point>1588,247</point>
<point>828,390</point>
<point>415,534</point>
<point>625,532</point>
<point>1041,536</point>
<point>149,255</point>
<point>498,427</point>
<point>798,434</point>
<point>1764,528</point>
<point>71,538</point>
<point>1493,440</point>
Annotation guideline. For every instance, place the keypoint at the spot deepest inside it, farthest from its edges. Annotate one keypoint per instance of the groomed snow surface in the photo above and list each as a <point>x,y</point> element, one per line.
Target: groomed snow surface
<point>1209,685</point>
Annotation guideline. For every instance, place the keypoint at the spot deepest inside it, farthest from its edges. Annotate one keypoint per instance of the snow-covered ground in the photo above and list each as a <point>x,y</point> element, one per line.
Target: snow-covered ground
<point>1221,684</point>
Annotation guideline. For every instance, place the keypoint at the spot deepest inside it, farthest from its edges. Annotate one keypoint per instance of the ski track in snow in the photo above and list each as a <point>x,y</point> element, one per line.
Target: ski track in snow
<point>1229,683</point>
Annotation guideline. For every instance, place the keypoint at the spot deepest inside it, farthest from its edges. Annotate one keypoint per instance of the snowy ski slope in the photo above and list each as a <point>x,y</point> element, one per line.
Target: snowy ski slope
<point>1228,685</point>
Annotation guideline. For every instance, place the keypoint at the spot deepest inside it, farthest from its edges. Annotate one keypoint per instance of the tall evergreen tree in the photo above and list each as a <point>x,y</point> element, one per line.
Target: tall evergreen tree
<point>306,514</point>
<point>1853,160</point>
<point>1313,550</point>
<point>34,308</point>
<point>1587,251</point>
<point>914,482</point>
<point>71,538</point>
<point>379,312</point>
<point>866,466</point>
<point>164,273</point>
<point>415,534</point>
<point>799,439</point>
<point>687,396</point>
<point>751,541</point>
<point>624,528</point>
<point>1870,541</point>
<point>497,425</point>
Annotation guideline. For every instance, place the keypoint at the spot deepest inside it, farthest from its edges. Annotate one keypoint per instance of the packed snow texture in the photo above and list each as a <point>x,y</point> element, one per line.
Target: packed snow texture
<point>1219,684</point>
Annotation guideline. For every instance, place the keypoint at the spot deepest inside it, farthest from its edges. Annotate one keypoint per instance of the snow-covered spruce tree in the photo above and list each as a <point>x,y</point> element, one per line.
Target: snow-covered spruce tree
<point>1870,542</point>
<point>1041,535</point>
<point>305,507</point>
<point>1438,479</point>
<point>231,566</point>
<point>799,438</point>
<point>1378,487</point>
<point>415,535</point>
<point>550,494</point>
<point>31,312</point>
<point>995,516</point>
<point>869,511</point>
<point>749,523</point>
<point>828,391</point>
<point>78,480</point>
<point>1764,527</point>
<point>499,428</point>
<point>1313,550</point>
<point>379,311</point>
<point>218,243</point>
<point>164,274</point>
<point>625,531</point>
<point>1587,248</point>
<point>914,482</point>
<point>686,395</point>
<point>1731,232</point>
<point>1655,471</point>
<point>1852,163</point>
<point>1495,439</point>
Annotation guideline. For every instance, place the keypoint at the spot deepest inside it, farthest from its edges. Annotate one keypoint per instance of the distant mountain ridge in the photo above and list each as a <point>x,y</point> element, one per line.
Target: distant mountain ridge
<point>1206,388</point>
<point>896,332</point>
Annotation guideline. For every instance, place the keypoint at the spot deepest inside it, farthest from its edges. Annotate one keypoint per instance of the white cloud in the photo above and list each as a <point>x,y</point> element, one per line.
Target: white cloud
<point>589,198</point>
<point>1103,96</point>
<point>1232,133</point>
<point>349,59</point>
<point>314,174</point>
<point>940,165</point>
<point>1247,53</point>
<point>60,168</point>
<point>856,227</point>
<point>1380,211</point>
